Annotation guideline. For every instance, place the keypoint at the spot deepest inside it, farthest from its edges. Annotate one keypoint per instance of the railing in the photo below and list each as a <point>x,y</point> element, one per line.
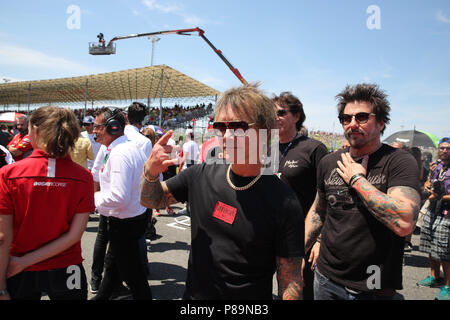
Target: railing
<point>98,48</point>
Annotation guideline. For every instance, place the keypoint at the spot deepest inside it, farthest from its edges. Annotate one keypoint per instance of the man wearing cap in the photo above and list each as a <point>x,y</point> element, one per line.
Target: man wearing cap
<point>88,123</point>
<point>435,231</point>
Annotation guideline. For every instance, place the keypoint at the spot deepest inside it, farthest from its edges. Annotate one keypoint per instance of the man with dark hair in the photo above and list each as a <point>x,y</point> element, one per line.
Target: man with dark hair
<point>118,202</point>
<point>299,159</point>
<point>136,113</point>
<point>367,201</point>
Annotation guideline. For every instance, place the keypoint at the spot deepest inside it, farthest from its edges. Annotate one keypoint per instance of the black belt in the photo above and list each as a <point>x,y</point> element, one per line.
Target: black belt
<point>139,217</point>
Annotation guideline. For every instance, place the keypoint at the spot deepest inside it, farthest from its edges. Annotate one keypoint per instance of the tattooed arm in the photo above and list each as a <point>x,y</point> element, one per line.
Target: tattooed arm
<point>314,220</point>
<point>398,209</point>
<point>289,278</point>
<point>155,194</point>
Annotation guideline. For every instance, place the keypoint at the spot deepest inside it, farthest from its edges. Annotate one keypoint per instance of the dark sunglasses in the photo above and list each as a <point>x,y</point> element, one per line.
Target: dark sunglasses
<point>361,117</point>
<point>221,127</point>
<point>444,148</point>
<point>282,112</point>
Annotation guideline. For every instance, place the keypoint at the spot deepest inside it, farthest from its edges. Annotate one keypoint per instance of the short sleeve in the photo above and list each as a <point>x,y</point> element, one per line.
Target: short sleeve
<point>24,145</point>
<point>320,152</point>
<point>178,185</point>
<point>403,171</point>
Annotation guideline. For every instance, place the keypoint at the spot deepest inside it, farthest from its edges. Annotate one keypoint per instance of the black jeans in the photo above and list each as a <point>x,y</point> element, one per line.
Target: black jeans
<point>60,284</point>
<point>101,243</point>
<point>100,246</point>
<point>123,260</point>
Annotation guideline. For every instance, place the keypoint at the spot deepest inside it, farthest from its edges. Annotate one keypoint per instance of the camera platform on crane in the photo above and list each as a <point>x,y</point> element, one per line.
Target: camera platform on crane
<point>99,48</point>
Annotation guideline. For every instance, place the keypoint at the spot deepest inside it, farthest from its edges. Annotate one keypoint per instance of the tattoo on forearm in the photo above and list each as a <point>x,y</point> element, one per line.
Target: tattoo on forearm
<point>315,222</point>
<point>289,277</point>
<point>388,210</point>
<point>313,230</point>
<point>153,195</point>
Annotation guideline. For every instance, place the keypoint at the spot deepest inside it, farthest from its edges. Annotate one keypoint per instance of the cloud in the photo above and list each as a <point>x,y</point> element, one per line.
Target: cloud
<point>154,5</point>
<point>11,55</point>
<point>175,9</point>
<point>440,16</point>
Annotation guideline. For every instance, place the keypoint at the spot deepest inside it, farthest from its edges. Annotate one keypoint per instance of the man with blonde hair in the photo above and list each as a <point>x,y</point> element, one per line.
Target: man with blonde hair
<point>244,225</point>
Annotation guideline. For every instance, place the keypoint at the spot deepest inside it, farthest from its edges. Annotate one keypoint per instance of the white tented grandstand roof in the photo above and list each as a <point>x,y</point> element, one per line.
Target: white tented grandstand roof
<point>132,84</point>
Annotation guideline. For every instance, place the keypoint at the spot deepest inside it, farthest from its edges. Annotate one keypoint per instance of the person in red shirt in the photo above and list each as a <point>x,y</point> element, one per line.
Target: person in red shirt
<point>20,146</point>
<point>45,201</point>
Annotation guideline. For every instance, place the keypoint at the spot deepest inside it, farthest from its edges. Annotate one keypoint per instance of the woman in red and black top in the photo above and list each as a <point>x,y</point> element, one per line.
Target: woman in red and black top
<point>45,201</point>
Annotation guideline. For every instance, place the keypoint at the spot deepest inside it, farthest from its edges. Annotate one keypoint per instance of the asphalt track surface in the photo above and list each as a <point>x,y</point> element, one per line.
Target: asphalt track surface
<point>168,256</point>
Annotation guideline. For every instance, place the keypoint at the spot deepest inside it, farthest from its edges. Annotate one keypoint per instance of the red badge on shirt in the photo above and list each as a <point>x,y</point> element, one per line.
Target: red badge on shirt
<point>225,212</point>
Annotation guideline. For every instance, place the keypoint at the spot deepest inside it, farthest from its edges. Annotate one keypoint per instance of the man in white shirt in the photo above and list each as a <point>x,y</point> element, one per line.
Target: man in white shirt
<point>136,113</point>
<point>190,150</point>
<point>88,123</point>
<point>118,201</point>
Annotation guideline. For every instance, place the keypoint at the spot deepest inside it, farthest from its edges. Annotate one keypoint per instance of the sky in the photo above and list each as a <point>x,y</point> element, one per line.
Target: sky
<point>310,48</point>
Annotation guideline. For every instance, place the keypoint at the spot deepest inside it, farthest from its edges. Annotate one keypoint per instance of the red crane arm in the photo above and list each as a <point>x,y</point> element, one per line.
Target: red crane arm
<point>186,32</point>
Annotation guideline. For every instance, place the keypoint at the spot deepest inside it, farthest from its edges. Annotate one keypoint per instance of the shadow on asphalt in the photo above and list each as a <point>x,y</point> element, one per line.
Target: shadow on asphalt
<point>164,246</point>
<point>172,278</point>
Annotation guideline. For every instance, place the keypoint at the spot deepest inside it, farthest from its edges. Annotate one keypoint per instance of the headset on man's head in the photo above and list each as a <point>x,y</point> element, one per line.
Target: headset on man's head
<point>112,125</point>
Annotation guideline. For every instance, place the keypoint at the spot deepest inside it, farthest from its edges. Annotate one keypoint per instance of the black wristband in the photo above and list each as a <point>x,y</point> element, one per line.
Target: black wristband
<point>355,178</point>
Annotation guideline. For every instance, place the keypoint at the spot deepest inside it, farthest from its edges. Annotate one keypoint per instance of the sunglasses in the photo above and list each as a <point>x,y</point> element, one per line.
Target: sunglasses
<point>239,127</point>
<point>282,112</point>
<point>444,148</point>
<point>360,117</point>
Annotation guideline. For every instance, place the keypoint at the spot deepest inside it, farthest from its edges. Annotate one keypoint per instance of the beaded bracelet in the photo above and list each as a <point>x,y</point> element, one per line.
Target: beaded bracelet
<point>355,178</point>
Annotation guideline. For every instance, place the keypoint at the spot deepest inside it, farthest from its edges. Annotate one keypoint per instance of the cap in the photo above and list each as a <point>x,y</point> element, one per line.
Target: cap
<point>445,139</point>
<point>88,119</point>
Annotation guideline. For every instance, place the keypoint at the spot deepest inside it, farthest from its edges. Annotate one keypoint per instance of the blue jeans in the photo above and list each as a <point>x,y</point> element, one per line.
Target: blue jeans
<point>326,289</point>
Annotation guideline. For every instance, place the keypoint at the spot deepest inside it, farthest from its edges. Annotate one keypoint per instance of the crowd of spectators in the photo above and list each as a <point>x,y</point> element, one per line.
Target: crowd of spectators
<point>331,140</point>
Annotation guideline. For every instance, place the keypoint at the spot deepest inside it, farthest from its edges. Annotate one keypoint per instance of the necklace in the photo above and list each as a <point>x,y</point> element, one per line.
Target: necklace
<point>240,188</point>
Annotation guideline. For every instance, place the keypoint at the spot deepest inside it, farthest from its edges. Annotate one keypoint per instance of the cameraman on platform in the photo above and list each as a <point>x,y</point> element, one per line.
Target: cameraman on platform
<point>435,231</point>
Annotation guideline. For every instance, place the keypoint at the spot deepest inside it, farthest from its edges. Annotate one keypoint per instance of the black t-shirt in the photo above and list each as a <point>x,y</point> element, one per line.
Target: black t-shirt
<point>233,255</point>
<point>298,167</point>
<point>352,238</point>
